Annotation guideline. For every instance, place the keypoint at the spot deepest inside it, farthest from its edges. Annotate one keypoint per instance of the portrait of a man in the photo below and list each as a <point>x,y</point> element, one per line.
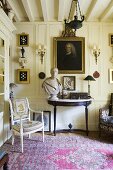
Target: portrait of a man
<point>69,55</point>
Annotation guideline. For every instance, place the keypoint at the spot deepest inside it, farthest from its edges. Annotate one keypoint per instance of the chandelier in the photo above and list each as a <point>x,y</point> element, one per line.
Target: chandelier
<point>3,5</point>
<point>78,18</point>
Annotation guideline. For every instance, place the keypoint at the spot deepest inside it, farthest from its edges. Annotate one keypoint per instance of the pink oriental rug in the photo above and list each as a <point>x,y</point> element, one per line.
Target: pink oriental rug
<point>60,153</point>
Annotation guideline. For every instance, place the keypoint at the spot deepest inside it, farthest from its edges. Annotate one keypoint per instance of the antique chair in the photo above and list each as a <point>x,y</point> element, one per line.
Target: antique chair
<point>106,118</point>
<point>105,121</point>
<point>20,119</point>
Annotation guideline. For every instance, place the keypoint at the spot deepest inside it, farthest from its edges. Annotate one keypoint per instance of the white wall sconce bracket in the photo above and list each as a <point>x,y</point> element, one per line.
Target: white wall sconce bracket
<point>41,50</point>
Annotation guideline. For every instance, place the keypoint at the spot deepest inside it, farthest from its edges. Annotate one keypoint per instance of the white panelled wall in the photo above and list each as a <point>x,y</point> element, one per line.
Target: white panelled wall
<point>94,33</point>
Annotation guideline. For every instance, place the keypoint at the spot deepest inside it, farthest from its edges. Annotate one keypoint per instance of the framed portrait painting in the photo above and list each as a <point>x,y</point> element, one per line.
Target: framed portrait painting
<point>69,55</point>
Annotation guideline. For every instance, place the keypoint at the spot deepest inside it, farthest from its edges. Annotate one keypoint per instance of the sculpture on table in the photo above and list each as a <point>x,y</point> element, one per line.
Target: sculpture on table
<point>52,85</point>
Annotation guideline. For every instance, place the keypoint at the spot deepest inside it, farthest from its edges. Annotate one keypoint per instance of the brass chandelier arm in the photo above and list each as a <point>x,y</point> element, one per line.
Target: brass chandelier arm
<point>3,5</point>
<point>78,18</point>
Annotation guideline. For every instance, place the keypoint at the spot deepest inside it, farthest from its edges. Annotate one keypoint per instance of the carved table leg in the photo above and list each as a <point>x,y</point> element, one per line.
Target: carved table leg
<point>54,120</point>
<point>86,117</point>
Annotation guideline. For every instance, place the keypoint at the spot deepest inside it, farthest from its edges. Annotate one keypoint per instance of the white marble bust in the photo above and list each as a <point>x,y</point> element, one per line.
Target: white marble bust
<point>52,85</point>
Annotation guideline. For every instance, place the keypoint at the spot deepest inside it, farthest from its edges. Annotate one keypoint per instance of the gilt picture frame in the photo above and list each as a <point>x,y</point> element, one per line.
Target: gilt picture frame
<point>69,82</point>
<point>23,76</point>
<point>111,75</point>
<point>69,55</point>
<point>23,40</point>
<point>111,40</point>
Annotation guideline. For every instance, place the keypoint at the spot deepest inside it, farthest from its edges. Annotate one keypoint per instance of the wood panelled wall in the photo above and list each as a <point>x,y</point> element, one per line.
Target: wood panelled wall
<point>94,33</point>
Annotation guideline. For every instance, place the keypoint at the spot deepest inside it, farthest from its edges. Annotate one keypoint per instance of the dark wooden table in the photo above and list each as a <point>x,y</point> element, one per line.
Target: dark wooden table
<point>70,102</point>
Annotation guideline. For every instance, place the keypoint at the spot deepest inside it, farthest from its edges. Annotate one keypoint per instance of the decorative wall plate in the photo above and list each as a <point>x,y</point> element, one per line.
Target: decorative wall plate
<point>96,74</point>
<point>42,75</point>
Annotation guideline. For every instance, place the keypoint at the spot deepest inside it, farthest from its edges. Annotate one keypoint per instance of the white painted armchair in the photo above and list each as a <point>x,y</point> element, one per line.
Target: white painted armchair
<point>20,119</point>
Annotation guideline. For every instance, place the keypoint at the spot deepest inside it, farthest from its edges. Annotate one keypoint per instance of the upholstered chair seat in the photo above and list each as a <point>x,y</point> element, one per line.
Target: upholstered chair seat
<point>28,126</point>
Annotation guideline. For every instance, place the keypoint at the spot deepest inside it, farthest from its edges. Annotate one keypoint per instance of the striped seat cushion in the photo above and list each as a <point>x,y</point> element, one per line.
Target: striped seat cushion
<point>28,126</point>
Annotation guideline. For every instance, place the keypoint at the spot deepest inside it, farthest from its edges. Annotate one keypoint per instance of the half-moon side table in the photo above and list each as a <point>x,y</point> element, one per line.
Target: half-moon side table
<point>70,102</point>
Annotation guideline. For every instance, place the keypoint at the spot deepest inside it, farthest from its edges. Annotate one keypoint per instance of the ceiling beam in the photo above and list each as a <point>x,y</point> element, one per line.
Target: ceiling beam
<point>90,9</point>
<point>61,10</point>
<point>44,9</point>
<point>15,9</point>
<point>28,10</point>
<point>106,12</point>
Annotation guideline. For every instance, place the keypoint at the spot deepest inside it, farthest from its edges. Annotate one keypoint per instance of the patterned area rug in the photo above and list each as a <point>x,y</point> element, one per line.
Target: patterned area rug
<point>60,153</point>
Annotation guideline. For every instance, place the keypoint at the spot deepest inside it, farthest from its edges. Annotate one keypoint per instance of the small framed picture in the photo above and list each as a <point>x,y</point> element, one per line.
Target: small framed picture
<point>69,82</point>
<point>111,40</point>
<point>47,120</point>
<point>23,76</point>
<point>111,75</point>
<point>23,40</point>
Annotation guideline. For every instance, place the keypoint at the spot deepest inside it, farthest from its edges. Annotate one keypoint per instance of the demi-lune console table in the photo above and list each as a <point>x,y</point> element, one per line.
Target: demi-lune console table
<point>70,102</point>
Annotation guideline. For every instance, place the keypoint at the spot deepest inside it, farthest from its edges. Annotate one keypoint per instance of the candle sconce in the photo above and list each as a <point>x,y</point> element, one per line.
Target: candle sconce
<point>41,50</point>
<point>96,52</point>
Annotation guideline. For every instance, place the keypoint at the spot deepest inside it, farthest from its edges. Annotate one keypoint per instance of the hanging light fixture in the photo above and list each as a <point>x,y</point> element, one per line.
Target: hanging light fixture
<point>4,6</point>
<point>78,18</point>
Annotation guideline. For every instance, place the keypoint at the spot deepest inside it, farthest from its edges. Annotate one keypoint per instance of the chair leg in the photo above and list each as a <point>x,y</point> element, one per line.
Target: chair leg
<point>99,132</point>
<point>5,167</point>
<point>43,134</point>
<point>29,136</point>
<point>21,140</point>
<point>13,137</point>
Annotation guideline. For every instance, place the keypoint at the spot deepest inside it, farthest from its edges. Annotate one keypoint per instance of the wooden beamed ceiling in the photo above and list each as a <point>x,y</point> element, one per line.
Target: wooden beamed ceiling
<point>58,10</point>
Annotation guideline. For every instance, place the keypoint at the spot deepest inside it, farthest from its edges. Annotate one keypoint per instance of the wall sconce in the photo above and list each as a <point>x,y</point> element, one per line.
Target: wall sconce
<point>96,52</point>
<point>22,60</point>
<point>41,50</point>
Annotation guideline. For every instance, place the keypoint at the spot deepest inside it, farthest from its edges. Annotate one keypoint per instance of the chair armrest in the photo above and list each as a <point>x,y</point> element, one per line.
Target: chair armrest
<point>39,112</point>
<point>36,111</point>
